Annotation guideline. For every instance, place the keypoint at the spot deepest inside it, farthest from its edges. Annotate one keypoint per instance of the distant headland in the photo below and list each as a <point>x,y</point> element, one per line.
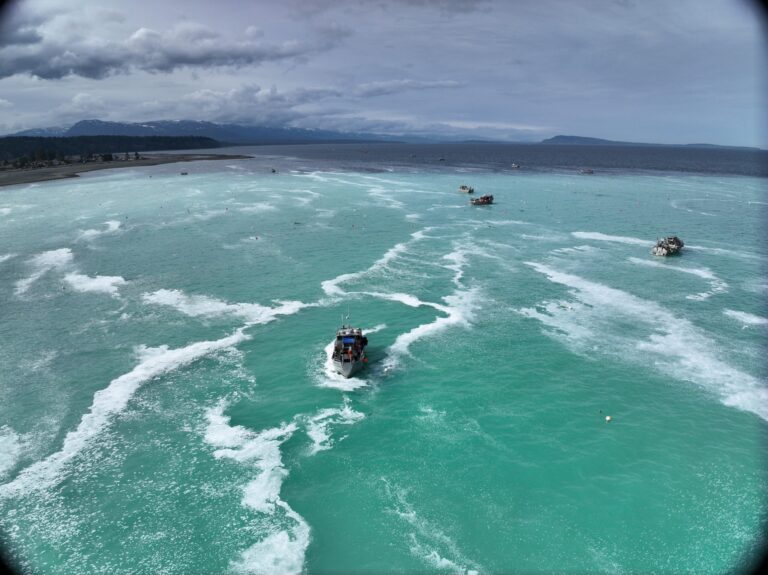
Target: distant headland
<point>585,141</point>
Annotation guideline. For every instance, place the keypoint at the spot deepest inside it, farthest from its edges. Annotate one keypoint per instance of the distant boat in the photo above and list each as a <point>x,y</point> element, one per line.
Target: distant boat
<point>669,246</point>
<point>485,200</point>
<point>586,171</point>
<point>348,355</point>
<point>183,173</point>
<point>466,189</point>
<point>515,166</point>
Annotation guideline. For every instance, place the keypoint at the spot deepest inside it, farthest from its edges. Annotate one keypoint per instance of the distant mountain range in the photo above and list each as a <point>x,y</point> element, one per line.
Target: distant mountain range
<point>231,134</point>
<point>583,141</point>
<point>224,133</point>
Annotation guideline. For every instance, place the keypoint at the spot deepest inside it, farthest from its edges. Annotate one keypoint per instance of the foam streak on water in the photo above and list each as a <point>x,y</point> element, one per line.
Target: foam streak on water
<point>109,402</point>
<point>281,550</point>
<point>671,343</point>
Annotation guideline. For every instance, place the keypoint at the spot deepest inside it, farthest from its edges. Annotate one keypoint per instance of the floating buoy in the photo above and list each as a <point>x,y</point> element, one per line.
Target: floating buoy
<point>607,418</point>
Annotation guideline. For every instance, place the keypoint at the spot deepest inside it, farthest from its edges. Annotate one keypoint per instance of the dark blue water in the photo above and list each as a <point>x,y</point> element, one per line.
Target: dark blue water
<point>530,157</point>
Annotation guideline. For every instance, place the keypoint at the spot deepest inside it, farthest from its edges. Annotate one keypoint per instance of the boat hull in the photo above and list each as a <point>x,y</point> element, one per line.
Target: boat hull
<point>347,368</point>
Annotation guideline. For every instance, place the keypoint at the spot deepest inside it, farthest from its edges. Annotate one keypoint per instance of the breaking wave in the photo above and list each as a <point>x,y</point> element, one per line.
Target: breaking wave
<point>42,264</point>
<point>101,284</point>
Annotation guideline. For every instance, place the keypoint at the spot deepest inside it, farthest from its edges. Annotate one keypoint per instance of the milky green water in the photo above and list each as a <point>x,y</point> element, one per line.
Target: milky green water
<point>167,404</point>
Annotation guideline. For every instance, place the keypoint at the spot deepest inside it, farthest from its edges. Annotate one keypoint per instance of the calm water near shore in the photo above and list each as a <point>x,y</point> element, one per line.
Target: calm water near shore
<point>167,403</point>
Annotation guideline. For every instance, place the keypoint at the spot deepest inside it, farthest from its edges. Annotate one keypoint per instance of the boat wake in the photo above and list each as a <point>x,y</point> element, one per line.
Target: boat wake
<point>281,551</point>
<point>716,284</point>
<point>608,238</point>
<point>109,402</point>
<point>593,323</point>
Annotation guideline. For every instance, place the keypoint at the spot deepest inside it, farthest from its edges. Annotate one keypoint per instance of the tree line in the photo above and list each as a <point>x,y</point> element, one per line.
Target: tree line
<point>21,151</point>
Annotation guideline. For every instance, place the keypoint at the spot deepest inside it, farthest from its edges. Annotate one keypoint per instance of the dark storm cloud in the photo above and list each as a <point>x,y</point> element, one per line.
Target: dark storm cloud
<point>18,29</point>
<point>185,45</point>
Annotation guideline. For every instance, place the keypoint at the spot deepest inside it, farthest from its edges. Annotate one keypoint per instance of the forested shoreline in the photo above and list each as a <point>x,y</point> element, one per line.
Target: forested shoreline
<point>20,151</point>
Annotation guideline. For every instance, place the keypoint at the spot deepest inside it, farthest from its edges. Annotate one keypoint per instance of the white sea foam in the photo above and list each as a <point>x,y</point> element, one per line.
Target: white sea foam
<point>412,217</point>
<point>384,198</point>
<point>595,323</point>
<point>200,305</point>
<point>464,250</point>
<point>407,299</point>
<point>5,211</point>
<point>615,239</point>
<point>331,287</point>
<point>282,550</point>
<point>6,257</point>
<point>331,378</point>
<point>717,285</point>
<point>102,284</point>
<point>460,309</point>
<point>731,253</point>
<point>280,553</point>
<point>427,541</point>
<point>11,447</point>
<point>575,250</point>
<point>542,238</point>
<point>676,204</point>
<point>745,318</point>
<point>109,402</point>
<point>112,227</point>
<point>43,263</point>
<point>318,425</point>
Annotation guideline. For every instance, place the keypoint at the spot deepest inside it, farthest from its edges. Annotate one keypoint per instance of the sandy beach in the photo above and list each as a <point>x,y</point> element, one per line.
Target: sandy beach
<point>30,175</point>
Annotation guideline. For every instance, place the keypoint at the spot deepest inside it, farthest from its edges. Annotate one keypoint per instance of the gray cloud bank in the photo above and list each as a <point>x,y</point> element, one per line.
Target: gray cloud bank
<point>26,48</point>
<point>673,72</point>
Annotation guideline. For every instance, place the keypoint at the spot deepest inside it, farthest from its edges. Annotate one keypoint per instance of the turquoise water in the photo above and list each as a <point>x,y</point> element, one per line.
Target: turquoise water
<point>166,402</point>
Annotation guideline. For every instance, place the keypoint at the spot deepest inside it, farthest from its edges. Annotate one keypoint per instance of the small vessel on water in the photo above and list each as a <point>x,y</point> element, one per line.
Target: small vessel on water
<point>587,171</point>
<point>348,355</point>
<point>668,246</point>
<point>485,200</point>
<point>466,189</point>
<point>515,166</point>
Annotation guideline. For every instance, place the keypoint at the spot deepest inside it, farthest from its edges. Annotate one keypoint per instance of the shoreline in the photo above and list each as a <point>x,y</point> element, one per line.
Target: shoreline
<point>30,176</point>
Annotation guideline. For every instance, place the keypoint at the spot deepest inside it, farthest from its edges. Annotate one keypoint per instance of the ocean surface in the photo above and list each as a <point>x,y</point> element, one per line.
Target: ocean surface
<point>167,404</point>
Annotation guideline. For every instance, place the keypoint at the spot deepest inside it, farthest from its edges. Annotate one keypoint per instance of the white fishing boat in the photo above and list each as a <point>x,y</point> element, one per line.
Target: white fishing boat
<point>348,355</point>
<point>668,246</point>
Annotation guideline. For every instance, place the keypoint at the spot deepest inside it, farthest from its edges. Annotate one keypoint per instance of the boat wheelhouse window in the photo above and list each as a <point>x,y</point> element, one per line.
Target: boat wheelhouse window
<point>348,340</point>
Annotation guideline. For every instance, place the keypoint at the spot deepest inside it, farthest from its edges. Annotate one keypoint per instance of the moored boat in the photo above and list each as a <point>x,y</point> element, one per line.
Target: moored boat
<point>485,200</point>
<point>668,246</point>
<point>348,355</point>
<point>466,189</point>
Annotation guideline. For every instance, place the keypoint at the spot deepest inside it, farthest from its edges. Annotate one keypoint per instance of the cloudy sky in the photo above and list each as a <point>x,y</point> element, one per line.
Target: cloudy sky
<point>665,71</point>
